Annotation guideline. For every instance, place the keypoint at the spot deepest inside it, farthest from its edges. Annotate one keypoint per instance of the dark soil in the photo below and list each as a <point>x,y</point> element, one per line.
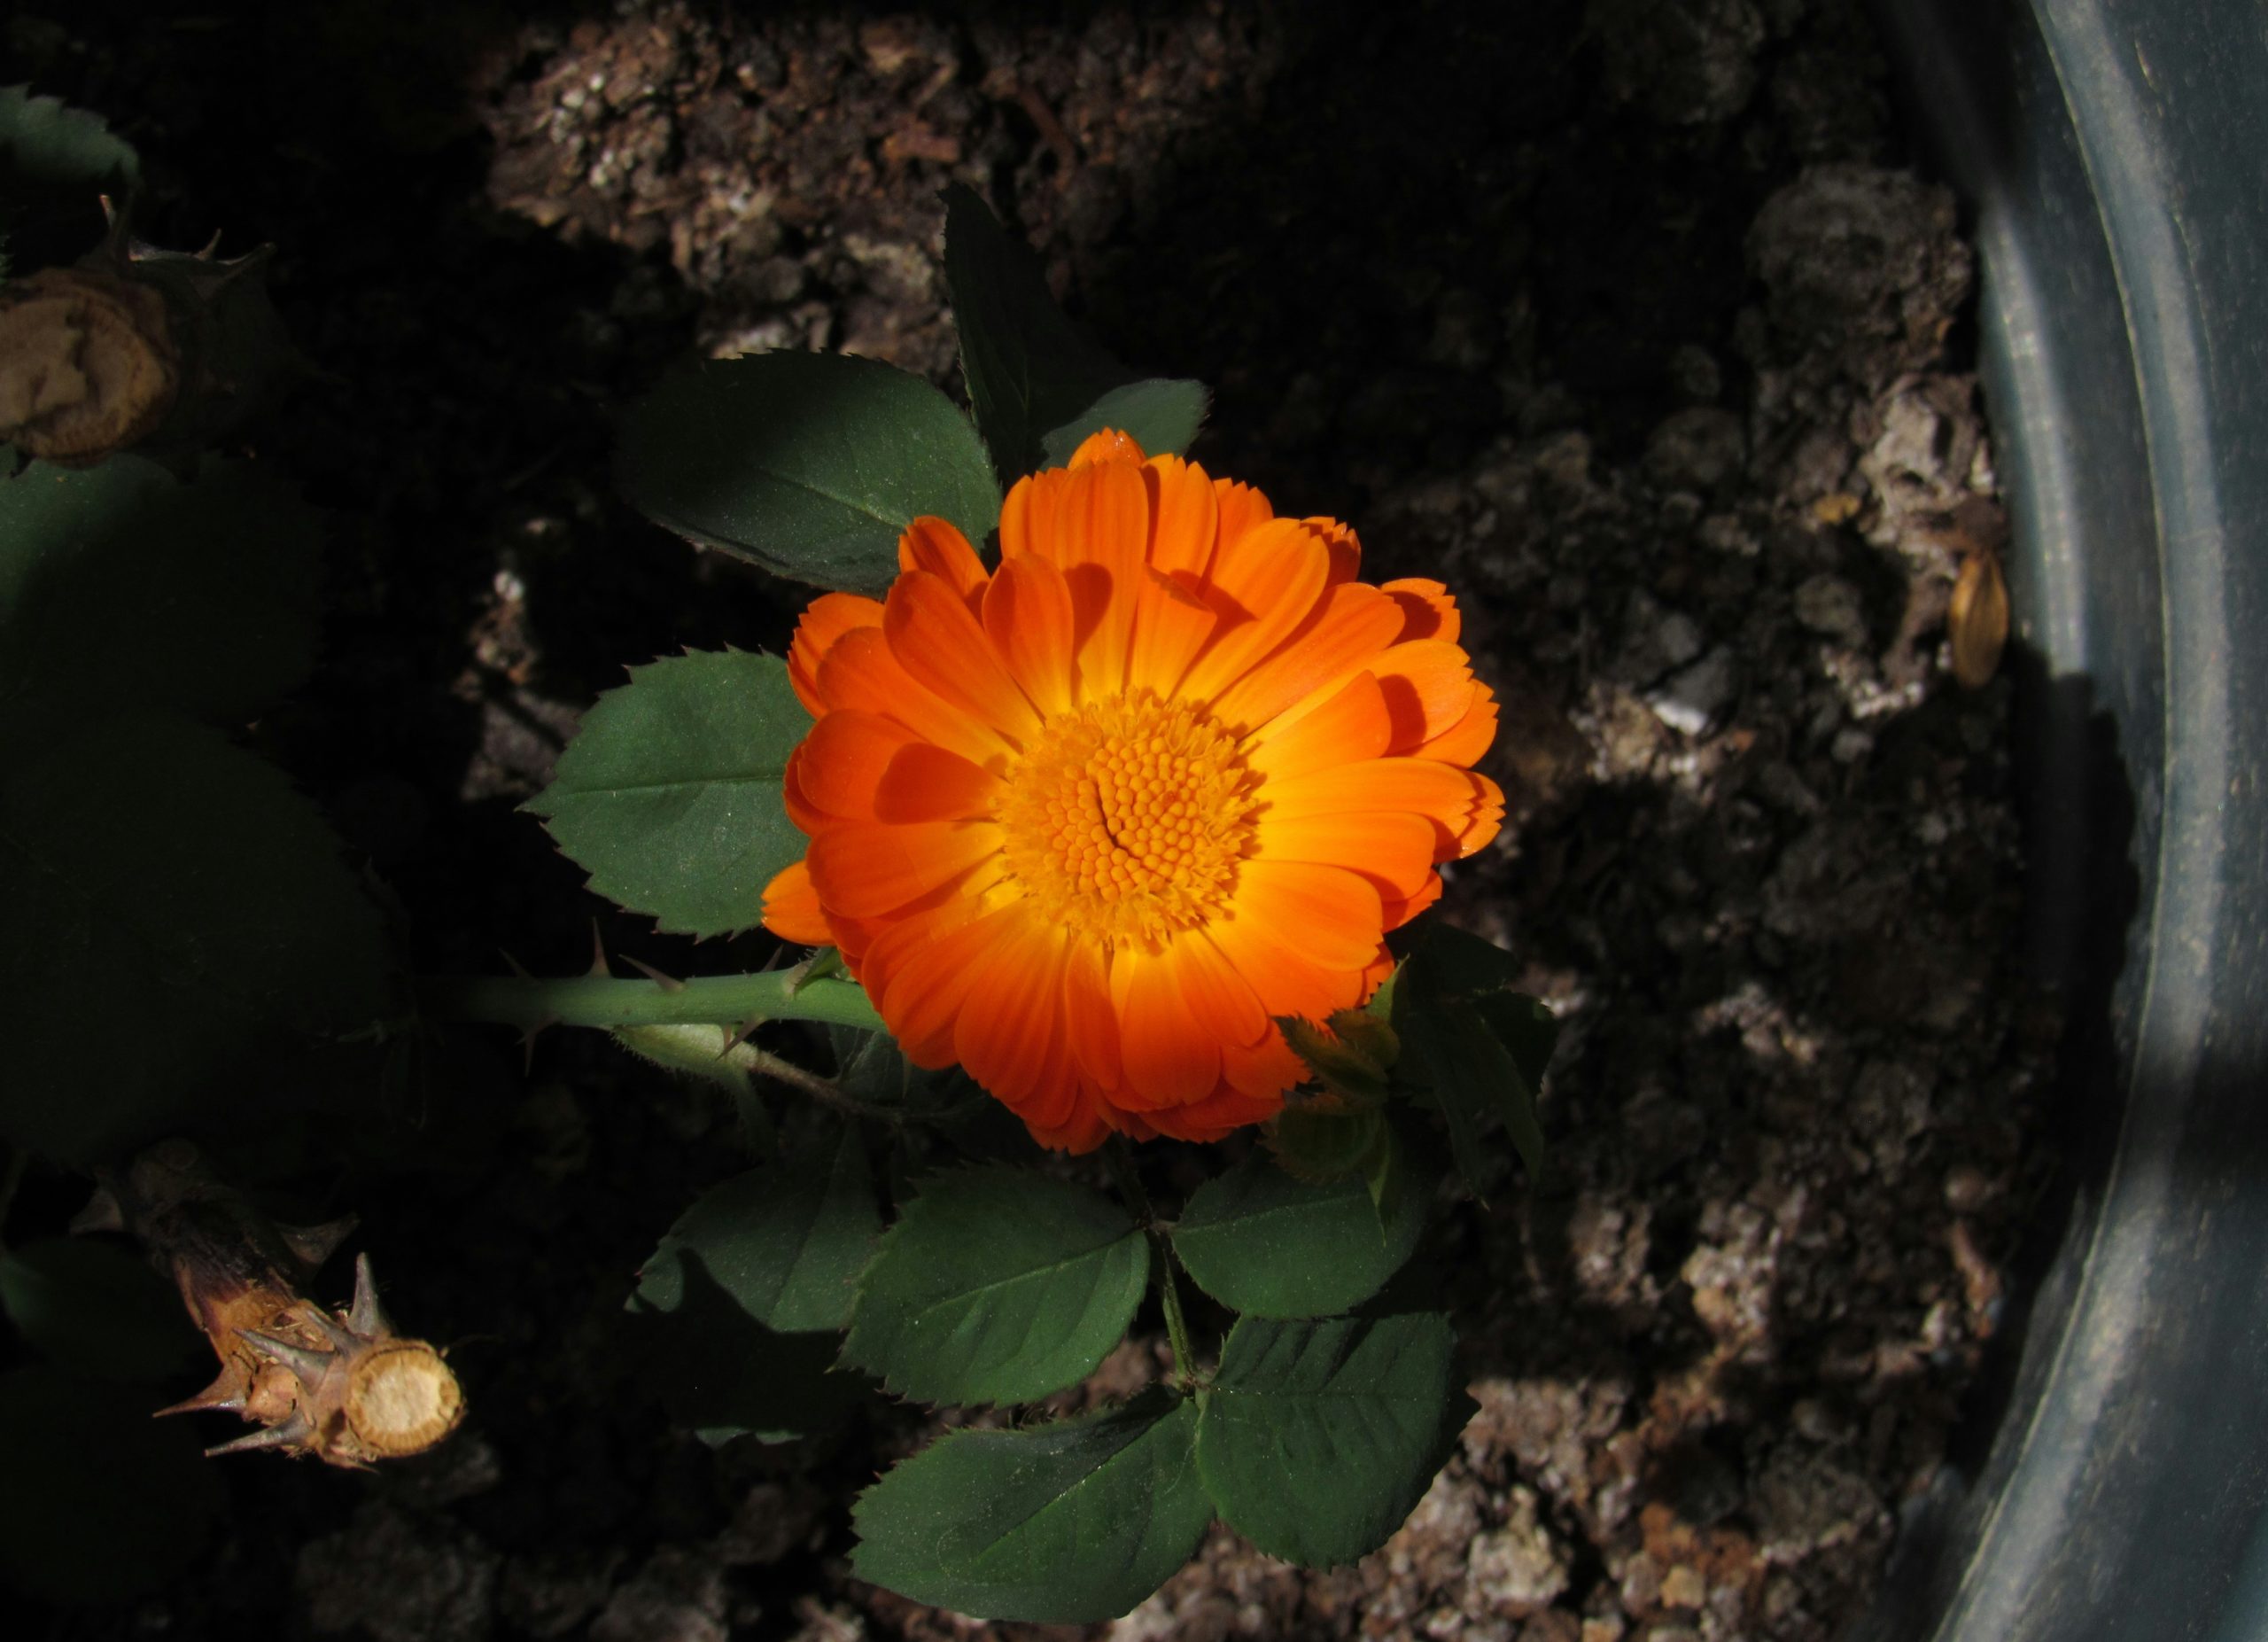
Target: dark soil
<point>1623,318</point>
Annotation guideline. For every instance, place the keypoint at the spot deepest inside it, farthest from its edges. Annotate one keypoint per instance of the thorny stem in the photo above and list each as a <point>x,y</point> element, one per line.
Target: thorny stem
<point>1130,1186</point>
<point>600,1000</point>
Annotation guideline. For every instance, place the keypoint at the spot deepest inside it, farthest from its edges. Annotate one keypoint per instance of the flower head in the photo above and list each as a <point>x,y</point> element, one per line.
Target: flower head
<point>1089,823</point>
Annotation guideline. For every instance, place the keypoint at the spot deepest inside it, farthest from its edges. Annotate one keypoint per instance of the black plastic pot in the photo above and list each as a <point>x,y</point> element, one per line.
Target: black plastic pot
<point>2114,156</point>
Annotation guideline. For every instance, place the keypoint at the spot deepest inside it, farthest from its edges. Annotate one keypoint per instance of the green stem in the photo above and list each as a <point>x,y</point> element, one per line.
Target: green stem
<point>1121,1159</point>
<point>603,1001</point>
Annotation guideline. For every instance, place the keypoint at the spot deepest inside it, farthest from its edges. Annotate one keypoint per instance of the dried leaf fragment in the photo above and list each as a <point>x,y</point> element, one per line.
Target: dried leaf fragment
<point>88,365</point>
<point>1977,620</point>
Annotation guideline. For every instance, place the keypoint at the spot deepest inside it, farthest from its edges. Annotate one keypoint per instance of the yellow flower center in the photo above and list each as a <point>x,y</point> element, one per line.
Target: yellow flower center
<point>1126,818</point>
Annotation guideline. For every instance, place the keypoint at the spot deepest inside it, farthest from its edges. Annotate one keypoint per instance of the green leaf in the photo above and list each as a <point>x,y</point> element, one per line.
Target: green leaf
<point>669,794</point>
<point>97,1308</point>
<point>179,924</point>
<point>1037,384</point>
<point>811,465</point>
<point>56,163</point>
<point>1067,1524</point>
<point>1480,1046</point>
<point>1262,1244</point>
<point>998,1286</point>
<point>98,1502</point>
<point>1162,413</point>
<point>786,1241</point>
<point>45,143</point>
<point>1316,1440</point>
<point>122,586</point>
<point>723,1374</point>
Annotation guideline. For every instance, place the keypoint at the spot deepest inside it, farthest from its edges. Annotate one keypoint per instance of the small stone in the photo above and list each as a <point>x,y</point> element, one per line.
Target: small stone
<point>1701,447</point>
<point>1693,699</point>
<point>1683,1587</point>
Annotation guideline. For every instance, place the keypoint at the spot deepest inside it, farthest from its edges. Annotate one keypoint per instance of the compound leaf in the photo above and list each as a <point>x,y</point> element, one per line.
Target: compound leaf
<point>1037,383</point>
<point>1317,1439</point>
<point>998,1286</point>
<point>1067,1524</point>
<point>670,795</point>
<point>180,922</point>
<point>120,585</point>
<point>1480,1046</point>
<point>1265,1244</point>
<point>786,1241</point>
<point>811,465</point>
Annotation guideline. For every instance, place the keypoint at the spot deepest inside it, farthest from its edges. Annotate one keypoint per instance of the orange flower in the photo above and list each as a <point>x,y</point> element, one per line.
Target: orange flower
<point>1087,824</point>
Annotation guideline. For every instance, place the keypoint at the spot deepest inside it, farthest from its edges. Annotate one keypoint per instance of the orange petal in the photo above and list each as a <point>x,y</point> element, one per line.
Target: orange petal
<point>1106,542</point>
<point>826,618</point>
<point>1351,624</point>
<point>1184,516</point>
<point>928,783</point>
<point>1393,850</point>
<point>1267,1069</point>
<point>1221,1000</point>
<point>1287,980</point>
<point>1349,724</point>
<point>1452,798</point>
<point>1429,688</point>
<point>938,643</point>
<point>1345,548</point>
<point>1263,588</point>
<point>1398,913</point>
<point>807,816</point>
<point>791,908</point>
<point>1472,735</point>
<point>1109,445</point>
<point>1086,1127</point>
<point>866,869</point>
<point>1166,1059</point>
<point>937,546</point>
<point>1088,1015</point>
<point>1429,611</point>
<point>1328,913</point>
<point>1028,617</point>
<point>841,762</point>
<point>927,989</point>
<point>1242,509</point>
<point>1171,624</point>
<point>1013,1015</point>
<point>1216,1117</point>
<point>861,672</point>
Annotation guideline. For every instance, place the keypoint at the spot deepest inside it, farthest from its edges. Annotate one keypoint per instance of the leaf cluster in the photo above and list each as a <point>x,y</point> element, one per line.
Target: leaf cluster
<point>181,917</point>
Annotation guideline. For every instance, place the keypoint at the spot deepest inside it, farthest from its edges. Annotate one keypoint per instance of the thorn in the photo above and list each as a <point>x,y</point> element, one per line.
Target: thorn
<point>598,970</point>
<point>212,247</point>
<point>365,1317</point>
<point>313,1245</point>
<point>103,1213</point>
<point>528,1038</point>
<point>308,1363</point>
<point>778,956</point>
<point>342,1341</point>
<point>225,1395</point>
<point>515,966</point>
<point>741,1033</point>
<point>290,1434</point>
<point>667,982</point>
